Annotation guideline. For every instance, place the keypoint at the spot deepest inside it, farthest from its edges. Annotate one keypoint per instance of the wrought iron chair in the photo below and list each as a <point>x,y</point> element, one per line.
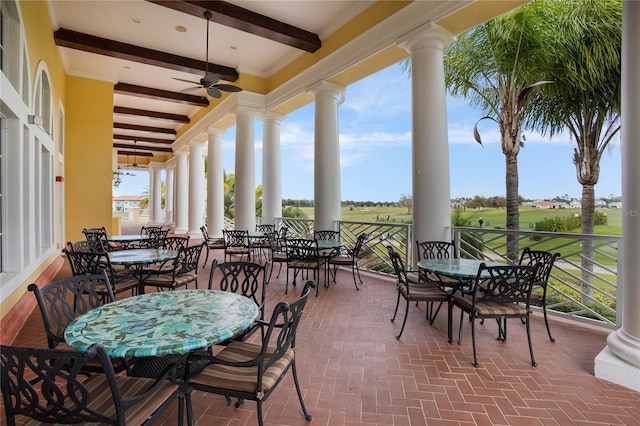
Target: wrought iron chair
<point>278,252</point>
<point>155,234</point>
<point>253,371</point>
<point>178,272</point>
<point>413,290</point>
<point>261,245</point>
<point>349,257</point>
<point>100,235</point>
<point>436,250</point>
<point>499,292</point>
<point>173,243</point>
<point>51,386</point>
<point>210,243</point>
<point>246,278</point>
<point>236,243</point>
<point>61,301</point>
<point>303,255</point>
<point>83,262</point>
<point>546,260</point>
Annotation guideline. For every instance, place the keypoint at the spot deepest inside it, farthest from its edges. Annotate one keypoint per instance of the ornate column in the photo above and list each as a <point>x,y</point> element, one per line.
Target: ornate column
<point>168,196</point>
<point>326,181</point>
<point>619,361</point>
<point>245,182</point>
<point>196,189</point>
<point>430,144</point>
<point>215,183</point>
<point>182,193</point>
<point>271,169</point>
<point>155,193</point>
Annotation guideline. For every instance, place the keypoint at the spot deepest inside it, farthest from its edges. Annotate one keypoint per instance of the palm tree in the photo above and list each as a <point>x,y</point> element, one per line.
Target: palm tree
<point>585,38</point>
<point>144,202</point>
<point>496,66</point>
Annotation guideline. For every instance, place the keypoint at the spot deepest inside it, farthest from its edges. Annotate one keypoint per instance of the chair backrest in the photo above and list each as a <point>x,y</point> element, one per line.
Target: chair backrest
<point>398,265</point>
<point>96,234</point>
<point>504,283</point>
<point>545,259</point>
<point>150,229</point>
<point>235,238</point>
<point>435,250</point>
<point>173,243</point>
<point>62,392</point>
<point>358,246</point>
<point>86,246</point>
<point>282,233</point>
<point>61,301</point>
<point>188,259</point>
<point>246,278</point>
<point>265,228</point>
<point>302,249</point>
<point>84,262</point>
<point>280,335</point>
<point>205,234</point>
<point>326,235</point>
<point>275,243</point>
<point>48,399</point>
<point>156,235</point>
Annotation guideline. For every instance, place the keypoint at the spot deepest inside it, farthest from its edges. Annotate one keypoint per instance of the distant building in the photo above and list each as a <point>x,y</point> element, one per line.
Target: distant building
<point>575,204</point>
<point>600,204</point>
<point>616,205</point>
<point>126,202</point>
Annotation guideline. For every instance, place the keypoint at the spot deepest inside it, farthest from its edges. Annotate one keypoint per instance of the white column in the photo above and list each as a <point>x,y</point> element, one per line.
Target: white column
<point>429,144</point>
<point>271,169</point>
<point>326,181</point>
<point>168,194</point>
<point>155,193</point>
<point>215,183</point>
<point>182,193</point>
<point>196,188</point>
<point>245,181</point>
<point>619,361</point>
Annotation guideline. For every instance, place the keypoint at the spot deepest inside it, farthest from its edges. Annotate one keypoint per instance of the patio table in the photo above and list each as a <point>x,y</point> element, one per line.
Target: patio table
<point>463,270</point>
<point>137,259</point>
<point>127,240</point>
<point>161,323</point>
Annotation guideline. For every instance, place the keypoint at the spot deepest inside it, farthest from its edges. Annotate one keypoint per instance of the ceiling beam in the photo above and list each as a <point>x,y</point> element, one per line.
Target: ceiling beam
<point>242,19</point>
<point>140,150</point>
<point>152,129</point>
<point>152,114</point>
<point>157,94</point>
<point>142,139</point>
<point>115,49</point>
<point>135,153</point>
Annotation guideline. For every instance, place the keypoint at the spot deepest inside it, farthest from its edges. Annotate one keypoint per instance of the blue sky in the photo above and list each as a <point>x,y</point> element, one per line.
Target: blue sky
<point>375,151</point>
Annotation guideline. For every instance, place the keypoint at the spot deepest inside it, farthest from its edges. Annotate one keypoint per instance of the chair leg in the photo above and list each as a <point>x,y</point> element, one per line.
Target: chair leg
<point>396,311</point>
<point>307,416</point>
<point>433,315</point>
<point>206,258</point>
<point>260,421</point>
<point>353,271</point>
<point>533,360</point>
<point>406,313</point>
<point>473,341</point>
<point>546,321</point>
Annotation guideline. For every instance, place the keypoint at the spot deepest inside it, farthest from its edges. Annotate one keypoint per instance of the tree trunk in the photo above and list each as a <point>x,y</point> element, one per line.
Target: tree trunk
<point>587,224</point>
<point>513,213</point>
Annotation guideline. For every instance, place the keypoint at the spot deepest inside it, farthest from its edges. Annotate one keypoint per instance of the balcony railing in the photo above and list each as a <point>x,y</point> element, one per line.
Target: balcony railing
<point>581,293</point>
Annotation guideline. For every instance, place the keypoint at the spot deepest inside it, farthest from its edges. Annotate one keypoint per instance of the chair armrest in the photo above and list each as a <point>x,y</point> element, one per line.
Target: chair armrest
<point>167,374</point>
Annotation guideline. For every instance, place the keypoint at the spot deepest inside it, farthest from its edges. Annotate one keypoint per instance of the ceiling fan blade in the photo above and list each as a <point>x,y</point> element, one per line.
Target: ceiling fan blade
<point>186,81</point>
<point>214,92</point>
<point>190,89</point>
<point>227,87</point>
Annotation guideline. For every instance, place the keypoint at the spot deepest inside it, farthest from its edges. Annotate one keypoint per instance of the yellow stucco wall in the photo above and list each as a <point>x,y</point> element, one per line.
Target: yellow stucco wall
<point>88,158</point>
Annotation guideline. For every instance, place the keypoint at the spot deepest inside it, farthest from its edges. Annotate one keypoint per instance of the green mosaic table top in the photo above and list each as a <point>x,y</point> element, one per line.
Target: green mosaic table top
<point>163,322</point>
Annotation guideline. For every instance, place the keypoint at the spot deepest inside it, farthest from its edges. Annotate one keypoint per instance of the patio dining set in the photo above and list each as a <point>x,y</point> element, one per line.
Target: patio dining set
<point>108,338</point>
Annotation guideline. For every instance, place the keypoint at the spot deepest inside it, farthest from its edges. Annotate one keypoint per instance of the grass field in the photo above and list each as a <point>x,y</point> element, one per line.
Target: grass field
<point>492,217</point>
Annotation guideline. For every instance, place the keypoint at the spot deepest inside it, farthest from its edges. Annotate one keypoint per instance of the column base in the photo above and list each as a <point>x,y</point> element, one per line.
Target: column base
<point>611,367</point>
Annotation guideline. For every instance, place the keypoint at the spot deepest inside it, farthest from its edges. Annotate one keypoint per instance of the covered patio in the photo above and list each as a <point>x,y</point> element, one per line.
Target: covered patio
<point>353,371</point>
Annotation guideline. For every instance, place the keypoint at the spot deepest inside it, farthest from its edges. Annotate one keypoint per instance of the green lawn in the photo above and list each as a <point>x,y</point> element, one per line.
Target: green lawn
<point>492,217</point>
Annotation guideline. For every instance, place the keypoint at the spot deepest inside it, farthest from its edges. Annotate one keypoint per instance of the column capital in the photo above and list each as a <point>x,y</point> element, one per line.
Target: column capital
<point>246,111</point>
<point>156,165</point>
<point>426,35</point>
<point>272,117</point>
<point>326,88</point>
<point>213,131</point>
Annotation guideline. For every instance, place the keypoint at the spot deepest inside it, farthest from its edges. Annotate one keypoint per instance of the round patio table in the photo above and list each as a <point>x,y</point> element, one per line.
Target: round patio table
<point>169,322</point>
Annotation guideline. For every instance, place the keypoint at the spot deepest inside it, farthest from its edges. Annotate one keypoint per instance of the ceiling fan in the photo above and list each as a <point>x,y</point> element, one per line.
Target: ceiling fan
<point>135,164</point>
<point>210,79</point>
